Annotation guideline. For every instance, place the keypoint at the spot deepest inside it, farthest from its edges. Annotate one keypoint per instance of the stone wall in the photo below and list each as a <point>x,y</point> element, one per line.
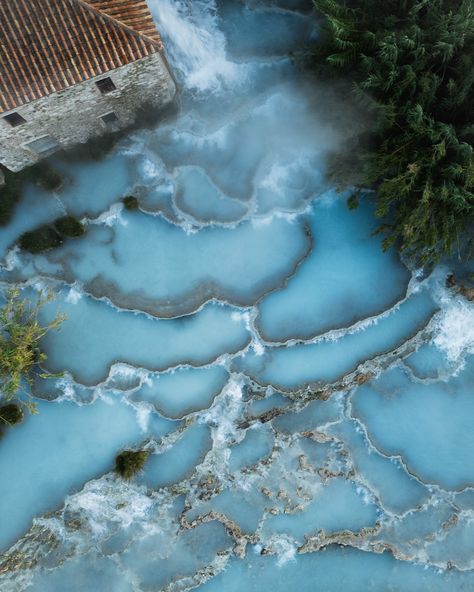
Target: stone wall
<point>74,115</point>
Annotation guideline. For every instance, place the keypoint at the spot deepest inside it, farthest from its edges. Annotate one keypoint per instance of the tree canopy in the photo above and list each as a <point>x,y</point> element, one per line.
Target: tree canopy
<point>412,62</point>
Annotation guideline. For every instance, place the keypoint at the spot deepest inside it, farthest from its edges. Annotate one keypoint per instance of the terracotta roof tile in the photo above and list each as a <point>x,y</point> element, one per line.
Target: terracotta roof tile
<point>49,45</point>
<point>133,13</point>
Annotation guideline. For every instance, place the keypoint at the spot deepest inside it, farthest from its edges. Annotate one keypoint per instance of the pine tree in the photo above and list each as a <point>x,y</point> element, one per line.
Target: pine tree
<point>412,61</point>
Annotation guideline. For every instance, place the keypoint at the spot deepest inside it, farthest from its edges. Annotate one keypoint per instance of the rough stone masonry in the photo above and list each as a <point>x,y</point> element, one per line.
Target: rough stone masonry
<point>87,72</point>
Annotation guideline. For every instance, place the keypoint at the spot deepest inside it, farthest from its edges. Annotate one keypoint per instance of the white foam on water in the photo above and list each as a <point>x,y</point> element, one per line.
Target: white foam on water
<point>151,166</point>
<point>143,416</point>
<point>267,219</point>
<point>121,370</point>
<point>275,178</point>
<point>111,217</point>
<point>242,317</point>
<point>200,140</point>
<point>258,348</point>
<point>12,260</point>
<point>455,330</point>
<point>75,294</point>
<point>194,44</point>
<point>108,500</point>
<point>150,169</point>
<point>68,389</point>
<point>223,414</point>
<point>453,326</point>
<point>39,285</point>
<point>285,548</point>
<point>416,282</point>
<point>366,495</point>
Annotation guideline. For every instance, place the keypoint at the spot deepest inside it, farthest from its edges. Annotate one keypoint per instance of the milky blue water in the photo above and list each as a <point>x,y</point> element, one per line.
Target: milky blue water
<point>306,400</point>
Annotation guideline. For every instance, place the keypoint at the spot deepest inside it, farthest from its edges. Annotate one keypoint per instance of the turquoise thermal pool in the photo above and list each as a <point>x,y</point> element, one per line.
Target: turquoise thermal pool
<point>306,399</point>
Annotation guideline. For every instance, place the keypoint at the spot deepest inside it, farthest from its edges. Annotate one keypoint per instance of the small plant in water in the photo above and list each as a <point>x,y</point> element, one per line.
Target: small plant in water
<point>50,236</point>
<point>11,414</point>
<point>69,226</point>
<point>20,353</point>
<point>130,202</point>
<point>353,201</point>
<point>41,239</point>
<point>129,462</point>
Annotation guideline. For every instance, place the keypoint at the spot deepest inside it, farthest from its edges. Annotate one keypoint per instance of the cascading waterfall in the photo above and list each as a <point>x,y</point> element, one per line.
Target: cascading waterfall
<point>305,398</point>
<point>194,43</point>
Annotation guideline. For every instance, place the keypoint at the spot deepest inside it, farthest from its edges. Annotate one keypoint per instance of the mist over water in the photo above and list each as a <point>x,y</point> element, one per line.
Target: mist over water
<point>305,398</point>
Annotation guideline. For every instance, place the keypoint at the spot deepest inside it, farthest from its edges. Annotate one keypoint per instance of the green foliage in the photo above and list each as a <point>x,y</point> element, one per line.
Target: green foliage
<point>11,414</point>
<point>69,226</point>
<point>128,463</point>
<point>130,202</point>
<point>412,64</point>
<point>20,335</point>
<point>353,201</point>
<point>41,239</point>
<point>51,236</point>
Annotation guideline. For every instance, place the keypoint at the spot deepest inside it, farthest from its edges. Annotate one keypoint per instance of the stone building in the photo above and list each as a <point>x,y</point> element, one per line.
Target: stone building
<point>73,69</point>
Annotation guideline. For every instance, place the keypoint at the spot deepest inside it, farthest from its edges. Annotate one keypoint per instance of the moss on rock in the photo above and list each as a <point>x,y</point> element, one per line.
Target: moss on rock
<point>69,226</point>
<point>129,462</point>
<point>353,201</point>
<point>41,239</point>
<point>51,236</point>
<point>11,414</point>
<point>130,202</point>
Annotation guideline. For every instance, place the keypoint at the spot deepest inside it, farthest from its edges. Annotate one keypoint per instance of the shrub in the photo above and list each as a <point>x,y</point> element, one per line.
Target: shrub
<point>20,334</point>
<point>130,202</point>
<point>128,463</point>
<point>353,201</point>
<point>69,226</point>
<point>41,239</point>
<point>11,414</point>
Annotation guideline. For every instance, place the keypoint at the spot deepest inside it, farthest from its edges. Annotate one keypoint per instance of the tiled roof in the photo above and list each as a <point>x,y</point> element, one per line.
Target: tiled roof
<point>133,13</point>
<point>50,45</point>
